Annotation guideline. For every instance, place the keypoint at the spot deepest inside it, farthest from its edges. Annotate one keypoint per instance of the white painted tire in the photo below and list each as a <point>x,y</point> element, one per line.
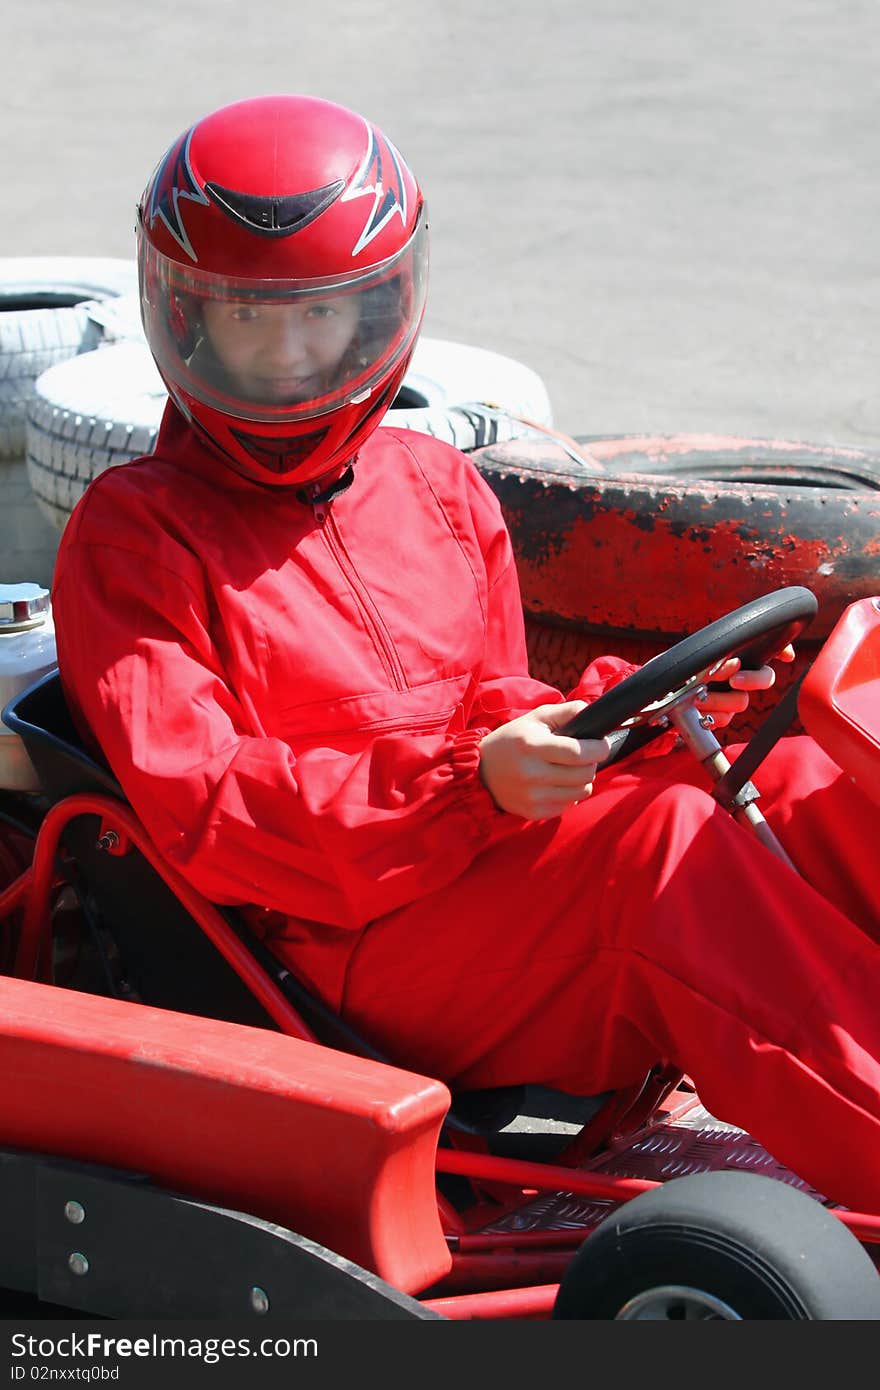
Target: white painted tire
<point>87,414</point>
<point>104,407</point>
<point>50,310</point>
<point>467,395</point>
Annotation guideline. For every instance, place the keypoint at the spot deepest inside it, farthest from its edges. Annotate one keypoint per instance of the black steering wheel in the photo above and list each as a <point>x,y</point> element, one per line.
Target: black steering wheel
<point>633,712</point>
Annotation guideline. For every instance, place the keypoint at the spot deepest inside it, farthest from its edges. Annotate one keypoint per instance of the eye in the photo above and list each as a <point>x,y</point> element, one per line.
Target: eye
<point>321,311</point>
<point>245,313</point>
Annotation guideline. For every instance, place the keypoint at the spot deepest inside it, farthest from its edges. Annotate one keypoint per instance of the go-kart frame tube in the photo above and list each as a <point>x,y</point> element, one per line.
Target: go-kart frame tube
<point>116,818</point>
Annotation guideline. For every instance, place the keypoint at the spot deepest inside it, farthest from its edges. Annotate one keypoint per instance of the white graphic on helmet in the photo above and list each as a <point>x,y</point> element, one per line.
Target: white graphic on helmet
<point>385,184</point>
<point>173,180</point>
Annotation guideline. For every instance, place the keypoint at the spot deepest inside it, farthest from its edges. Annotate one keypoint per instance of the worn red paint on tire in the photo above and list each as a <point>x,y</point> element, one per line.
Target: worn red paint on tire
<point>642,545</point>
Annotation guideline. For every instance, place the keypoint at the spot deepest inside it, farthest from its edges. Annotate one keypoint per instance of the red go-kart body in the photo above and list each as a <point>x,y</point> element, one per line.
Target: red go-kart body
<point>164,1163</point>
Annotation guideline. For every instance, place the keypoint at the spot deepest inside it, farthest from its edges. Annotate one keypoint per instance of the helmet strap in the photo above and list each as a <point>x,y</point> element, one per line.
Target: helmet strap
<point>317,496</point>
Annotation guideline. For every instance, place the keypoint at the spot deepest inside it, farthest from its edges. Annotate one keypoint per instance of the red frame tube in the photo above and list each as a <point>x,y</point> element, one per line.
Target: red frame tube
<point>15,891</point>
<point>483,1272</point>
<point>541,1177</point>
<point>477,1241</point>
<point>36,917</point>
<point>535,1303</point>
<point>862,1224</point>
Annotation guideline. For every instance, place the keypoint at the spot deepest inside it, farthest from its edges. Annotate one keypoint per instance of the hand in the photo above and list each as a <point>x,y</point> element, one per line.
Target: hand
<point>723,705</point>
<point>534,772</point>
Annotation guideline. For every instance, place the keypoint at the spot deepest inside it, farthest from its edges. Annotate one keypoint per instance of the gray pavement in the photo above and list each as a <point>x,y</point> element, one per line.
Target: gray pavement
<point>669,210</point>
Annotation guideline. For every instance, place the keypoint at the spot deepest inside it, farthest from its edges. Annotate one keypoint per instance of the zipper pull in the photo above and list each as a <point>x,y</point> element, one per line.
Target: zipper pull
<point>319,498</point>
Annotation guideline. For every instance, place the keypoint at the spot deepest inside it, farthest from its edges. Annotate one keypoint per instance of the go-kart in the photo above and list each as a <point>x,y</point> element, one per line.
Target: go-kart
<point>187,1132</point>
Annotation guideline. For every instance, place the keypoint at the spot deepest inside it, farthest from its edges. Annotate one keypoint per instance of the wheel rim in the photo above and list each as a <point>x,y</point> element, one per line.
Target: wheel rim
<point>676,1303</point>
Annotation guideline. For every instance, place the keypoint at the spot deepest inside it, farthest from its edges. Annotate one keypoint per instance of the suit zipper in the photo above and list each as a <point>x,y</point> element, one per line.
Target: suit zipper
<point>376,627</point>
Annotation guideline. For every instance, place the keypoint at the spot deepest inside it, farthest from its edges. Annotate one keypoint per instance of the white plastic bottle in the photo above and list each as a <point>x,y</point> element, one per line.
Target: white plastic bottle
<point>27,651</point>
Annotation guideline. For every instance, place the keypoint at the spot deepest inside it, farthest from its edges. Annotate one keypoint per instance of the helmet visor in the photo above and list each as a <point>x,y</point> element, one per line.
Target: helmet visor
<point>282,350</point>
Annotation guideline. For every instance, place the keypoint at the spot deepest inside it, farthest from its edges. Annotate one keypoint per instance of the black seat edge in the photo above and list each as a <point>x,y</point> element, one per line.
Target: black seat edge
<point>42,720</point>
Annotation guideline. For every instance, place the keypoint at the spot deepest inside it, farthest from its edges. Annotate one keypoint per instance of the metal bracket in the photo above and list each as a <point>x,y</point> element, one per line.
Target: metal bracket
<point>112,841</point>
<point>747,794</point>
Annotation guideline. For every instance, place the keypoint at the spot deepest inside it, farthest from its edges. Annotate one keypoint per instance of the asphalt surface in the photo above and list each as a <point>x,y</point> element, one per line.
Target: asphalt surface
<point>669,211</point>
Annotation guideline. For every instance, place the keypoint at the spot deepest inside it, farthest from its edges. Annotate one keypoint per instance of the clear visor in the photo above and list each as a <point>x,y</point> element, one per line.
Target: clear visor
<point>279,350</point>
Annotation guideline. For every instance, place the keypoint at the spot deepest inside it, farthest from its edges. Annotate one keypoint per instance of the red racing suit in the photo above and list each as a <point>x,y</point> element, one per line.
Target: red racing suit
<point>293,699</point>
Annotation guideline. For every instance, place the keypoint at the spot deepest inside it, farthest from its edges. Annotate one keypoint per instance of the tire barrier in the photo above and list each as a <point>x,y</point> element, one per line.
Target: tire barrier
<point>104,407</point>
<point>652,537</point>
<point>49,311</point>
<point>446,379</point>
<point>51,308</point>
<point>100,409</point>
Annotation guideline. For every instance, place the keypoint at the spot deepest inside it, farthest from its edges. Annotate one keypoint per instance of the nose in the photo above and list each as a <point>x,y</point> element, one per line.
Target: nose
<point>286,339</point>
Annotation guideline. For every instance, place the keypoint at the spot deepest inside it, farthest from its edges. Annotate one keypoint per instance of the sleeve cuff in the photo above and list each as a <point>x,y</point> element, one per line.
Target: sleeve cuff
<point>466,752</point>
<point>466,772</point>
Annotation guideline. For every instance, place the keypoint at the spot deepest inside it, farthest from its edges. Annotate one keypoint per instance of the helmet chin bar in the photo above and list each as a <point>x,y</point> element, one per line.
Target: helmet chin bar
<point>320,455</point>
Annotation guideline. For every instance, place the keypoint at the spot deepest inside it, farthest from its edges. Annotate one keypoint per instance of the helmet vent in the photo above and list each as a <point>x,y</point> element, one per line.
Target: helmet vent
<point>275,216</point>
<point>279,455</point>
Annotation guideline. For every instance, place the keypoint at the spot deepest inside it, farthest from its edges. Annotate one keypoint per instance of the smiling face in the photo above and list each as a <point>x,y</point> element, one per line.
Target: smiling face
<point>279,353</point>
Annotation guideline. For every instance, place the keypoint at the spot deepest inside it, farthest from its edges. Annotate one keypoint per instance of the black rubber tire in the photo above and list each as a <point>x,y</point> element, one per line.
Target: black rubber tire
<point>761,463</point>
<point>756,631</point>
<point>736,1245</point>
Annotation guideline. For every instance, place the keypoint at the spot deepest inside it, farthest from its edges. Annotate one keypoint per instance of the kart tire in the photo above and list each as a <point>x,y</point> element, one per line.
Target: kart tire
<point>104,408</point>
<point>751,462</point>
<point>47,315</point>
<point>720,1246</point>
<point>655,536</point>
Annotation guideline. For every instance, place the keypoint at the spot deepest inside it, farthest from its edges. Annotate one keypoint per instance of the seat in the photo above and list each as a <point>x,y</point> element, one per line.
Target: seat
<point>165,958</point>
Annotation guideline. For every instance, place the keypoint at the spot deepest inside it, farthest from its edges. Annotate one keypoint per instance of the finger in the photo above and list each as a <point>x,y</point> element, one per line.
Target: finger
<point>761,679</point>
<point>564,779</point>
<point>727,669</point>
<point>551,803</point>
<point>557,716</point>
<point>574,752</point>
<point>724,702</point>
<point>784,654</point>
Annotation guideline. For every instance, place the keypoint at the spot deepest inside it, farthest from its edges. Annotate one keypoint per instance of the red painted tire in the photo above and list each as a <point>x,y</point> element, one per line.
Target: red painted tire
<point>656,536</point>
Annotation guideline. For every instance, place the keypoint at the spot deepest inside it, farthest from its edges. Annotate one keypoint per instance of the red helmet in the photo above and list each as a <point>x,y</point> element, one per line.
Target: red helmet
<point>283,256</point>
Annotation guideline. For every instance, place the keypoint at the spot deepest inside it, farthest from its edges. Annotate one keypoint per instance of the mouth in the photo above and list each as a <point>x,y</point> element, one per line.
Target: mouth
<point>284,385</point>
<point>289,388</point>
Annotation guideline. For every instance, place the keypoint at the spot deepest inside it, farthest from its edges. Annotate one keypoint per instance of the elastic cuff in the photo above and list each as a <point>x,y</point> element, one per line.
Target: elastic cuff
<point>466,752</point>
<point>466,772</point>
